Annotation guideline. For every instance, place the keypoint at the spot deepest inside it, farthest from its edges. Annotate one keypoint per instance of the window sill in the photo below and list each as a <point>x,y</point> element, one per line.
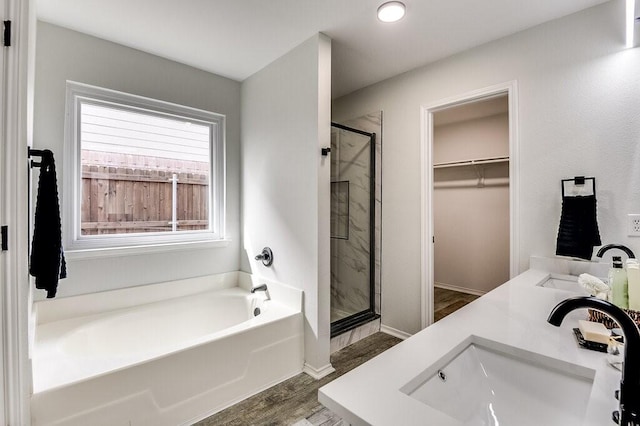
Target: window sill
<point>143,249</point>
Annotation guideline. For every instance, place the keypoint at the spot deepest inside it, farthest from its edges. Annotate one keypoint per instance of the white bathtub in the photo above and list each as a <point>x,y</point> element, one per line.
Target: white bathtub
<point>163,354</point>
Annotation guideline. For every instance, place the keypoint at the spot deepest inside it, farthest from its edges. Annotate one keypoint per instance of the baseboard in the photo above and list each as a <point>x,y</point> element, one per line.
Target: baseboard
<point>394,332</point>
<point>460,289</point>
<point>318,373</point>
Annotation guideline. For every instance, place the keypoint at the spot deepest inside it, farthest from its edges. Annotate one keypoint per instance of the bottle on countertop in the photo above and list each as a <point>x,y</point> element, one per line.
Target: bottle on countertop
<point>633,280</point>
<point>618,283</point>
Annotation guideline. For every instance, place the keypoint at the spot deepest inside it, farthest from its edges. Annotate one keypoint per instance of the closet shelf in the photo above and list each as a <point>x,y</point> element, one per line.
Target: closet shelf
<point>475,162</point>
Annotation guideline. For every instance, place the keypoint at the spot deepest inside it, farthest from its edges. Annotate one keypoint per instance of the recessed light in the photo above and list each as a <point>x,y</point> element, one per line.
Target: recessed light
<point>391,11</point>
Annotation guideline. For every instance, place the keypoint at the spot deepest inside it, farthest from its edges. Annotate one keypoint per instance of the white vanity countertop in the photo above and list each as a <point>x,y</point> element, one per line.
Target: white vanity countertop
<point>514,314</point>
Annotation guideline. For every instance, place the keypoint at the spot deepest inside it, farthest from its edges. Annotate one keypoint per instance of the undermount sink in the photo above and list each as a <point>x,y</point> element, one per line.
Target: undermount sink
<point>562,282</point>
<point>483,382</point>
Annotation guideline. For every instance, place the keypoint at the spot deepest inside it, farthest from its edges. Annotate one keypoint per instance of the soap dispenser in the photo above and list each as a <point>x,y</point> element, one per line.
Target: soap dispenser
<point>618,283</point>
<point>633,284</point>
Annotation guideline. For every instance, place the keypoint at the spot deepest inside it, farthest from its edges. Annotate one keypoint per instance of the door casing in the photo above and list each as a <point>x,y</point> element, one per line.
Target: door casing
<point>17,106</point>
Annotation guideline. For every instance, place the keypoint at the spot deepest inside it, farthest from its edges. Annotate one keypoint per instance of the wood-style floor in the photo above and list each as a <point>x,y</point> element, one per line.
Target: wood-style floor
<point>297,398</point>
<point>449,301</point>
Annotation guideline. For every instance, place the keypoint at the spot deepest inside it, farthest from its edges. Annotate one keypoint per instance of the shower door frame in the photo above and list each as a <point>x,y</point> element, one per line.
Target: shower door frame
<point>352,321</point>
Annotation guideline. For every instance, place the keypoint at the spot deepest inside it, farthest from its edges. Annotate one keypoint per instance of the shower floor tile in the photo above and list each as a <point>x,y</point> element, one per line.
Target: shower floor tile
<point>338,314</point>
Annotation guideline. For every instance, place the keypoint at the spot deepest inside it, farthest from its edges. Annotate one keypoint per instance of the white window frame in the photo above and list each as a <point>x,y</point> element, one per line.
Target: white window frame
<point>75,244</point>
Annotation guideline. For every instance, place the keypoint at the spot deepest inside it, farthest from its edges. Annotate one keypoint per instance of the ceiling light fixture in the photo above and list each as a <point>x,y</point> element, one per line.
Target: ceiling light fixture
<point>391,11</point>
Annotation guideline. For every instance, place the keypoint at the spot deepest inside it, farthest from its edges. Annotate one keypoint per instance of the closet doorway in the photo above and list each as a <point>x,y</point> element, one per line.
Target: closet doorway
<point>469,189</point>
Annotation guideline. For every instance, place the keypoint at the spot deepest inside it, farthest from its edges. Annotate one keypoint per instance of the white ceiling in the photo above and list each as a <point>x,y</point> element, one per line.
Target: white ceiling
<point>236,38</point>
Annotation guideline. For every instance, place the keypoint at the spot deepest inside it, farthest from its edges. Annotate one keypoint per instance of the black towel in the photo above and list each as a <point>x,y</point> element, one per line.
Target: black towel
<point>47,257</point>
<point>578,232</point>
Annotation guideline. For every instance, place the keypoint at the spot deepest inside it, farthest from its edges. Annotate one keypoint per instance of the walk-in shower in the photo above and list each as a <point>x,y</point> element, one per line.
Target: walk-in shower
<point>353,216</point>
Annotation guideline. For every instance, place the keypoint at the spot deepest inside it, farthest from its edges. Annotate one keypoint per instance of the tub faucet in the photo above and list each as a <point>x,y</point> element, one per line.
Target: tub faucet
<point>261,287</point>
<point>629,414</point>
<point>625,249</point>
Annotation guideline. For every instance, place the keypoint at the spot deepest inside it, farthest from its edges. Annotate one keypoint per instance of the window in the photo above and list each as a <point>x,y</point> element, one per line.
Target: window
<point>143,172</point>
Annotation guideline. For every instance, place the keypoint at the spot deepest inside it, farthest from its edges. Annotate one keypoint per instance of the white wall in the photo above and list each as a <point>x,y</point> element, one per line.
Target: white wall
<point>67,55</point>
<point>471,139</point>
<point>579,114</point>
<point>286,113</point>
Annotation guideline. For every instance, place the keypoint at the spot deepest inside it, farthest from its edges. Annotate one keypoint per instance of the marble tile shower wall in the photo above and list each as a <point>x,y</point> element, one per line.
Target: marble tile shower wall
<point>350,267</point>
<point>349,337</point>
<point>351,234</point>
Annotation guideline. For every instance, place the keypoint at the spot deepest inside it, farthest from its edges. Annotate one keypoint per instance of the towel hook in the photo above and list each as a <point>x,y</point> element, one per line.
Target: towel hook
<point>45,154</point>
<point>34,153</point>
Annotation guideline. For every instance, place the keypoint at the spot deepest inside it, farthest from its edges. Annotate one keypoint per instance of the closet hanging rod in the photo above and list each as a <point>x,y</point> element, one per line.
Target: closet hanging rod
<point>473,162</point>
<point>471,183</point>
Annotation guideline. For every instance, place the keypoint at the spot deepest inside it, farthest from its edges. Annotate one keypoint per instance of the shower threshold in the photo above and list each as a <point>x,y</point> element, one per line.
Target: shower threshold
<point>349,323</point>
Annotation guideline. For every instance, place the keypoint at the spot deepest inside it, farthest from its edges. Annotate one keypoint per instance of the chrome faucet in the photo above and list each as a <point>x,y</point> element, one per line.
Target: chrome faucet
<point>625,249</point>
<point>261,287</point>
<point>629,414</point>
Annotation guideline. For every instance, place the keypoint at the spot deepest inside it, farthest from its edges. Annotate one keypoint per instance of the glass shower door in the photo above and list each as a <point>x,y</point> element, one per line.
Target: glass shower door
<point>352,218</point>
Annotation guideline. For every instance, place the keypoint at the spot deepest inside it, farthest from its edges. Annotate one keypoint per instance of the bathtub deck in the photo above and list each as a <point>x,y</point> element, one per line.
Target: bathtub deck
<point>297,398</point>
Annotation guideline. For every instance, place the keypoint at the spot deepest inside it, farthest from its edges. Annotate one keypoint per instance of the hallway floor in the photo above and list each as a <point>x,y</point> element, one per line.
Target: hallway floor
<point>449,301</point>
<point>296,399</point>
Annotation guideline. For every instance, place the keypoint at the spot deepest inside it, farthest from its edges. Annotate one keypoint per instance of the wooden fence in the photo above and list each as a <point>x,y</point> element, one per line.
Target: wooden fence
<point>125,200</point>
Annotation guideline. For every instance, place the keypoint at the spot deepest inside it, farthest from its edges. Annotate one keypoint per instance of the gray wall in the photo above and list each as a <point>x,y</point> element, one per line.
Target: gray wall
<point>286,119</point>
<point>579,114</point>
<point>67,55</point>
